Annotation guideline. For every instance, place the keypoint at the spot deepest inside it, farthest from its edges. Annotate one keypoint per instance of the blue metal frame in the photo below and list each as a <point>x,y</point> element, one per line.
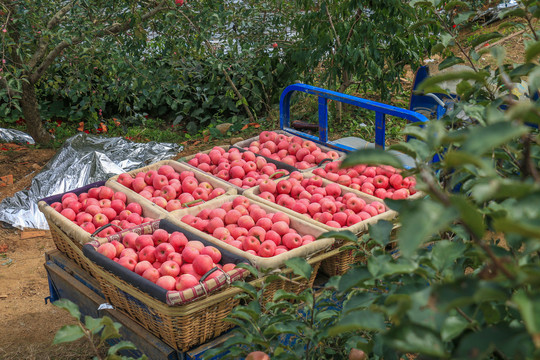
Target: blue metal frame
<point>381,110</point>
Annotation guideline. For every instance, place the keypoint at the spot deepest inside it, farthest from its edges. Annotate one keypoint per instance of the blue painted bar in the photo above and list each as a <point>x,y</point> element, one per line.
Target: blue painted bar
<point>323,96</point>
<point>380,129</point>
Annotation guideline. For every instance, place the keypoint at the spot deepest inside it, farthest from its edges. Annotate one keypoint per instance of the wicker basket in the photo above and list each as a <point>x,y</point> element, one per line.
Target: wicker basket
<point>66,234</point>
<point>178,167</point>
<point>303,228</point>
<point>181,327</point>
<point>245,143</point>
<point>187,325</point>
<point>279,165</point>
<point>358,228</point>
<point>343,259</point>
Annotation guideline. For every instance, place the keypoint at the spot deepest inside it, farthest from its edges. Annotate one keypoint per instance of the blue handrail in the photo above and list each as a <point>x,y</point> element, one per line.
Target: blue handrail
<point>381,110</point>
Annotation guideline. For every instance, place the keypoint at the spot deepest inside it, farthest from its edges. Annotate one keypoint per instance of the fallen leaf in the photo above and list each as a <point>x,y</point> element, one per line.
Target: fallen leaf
<point>81,126</point>
<point>6,180</point>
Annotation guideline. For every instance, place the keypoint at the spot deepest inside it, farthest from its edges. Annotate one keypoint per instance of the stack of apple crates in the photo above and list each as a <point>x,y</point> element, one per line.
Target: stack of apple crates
<point>177,316</point>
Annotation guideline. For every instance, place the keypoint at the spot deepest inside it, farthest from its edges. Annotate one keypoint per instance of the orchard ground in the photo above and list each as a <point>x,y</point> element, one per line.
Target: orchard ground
<point>27,324</point>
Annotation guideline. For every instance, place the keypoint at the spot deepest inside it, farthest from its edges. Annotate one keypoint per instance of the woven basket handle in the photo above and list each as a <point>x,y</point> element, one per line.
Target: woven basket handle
<point>103,228</point>
<point>211,271</point>
<point>325,160</point>
<point>189,203</point>
<point>277,173</point>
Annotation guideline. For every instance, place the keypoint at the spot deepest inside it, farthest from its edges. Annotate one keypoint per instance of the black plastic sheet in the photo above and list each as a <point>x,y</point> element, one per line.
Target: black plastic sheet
<point>82,160</point>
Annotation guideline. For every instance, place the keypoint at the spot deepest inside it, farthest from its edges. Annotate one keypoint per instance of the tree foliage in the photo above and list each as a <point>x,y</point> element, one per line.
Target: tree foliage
<point>463,283</point>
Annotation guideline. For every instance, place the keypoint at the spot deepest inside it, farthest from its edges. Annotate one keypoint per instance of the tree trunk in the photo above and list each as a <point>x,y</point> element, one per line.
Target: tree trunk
<point>30,111</point>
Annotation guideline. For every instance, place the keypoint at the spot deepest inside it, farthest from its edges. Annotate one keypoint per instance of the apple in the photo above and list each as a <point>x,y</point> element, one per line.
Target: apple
<point>267,248</point>
<point>162,251</point>
<point>128,262</point>
<point>211,251</point>
<point>170,268</point>
<point>143,241</point>
<point>142,266</point>
<point>189,253</point>
<point>292,240</point>
<point>134,208</point>
<point>202,264</point>
<point>167,282</point>
<point>128,239</point>
<point>107,250</point>
<point>151,274</point>
<point>148,253</point>
<point>251,243</point>
<point>88,227</point>
<point>186,281</point>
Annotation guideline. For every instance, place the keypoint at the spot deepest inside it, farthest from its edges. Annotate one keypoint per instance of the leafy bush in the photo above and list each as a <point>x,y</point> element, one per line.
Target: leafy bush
<point>465,281</point>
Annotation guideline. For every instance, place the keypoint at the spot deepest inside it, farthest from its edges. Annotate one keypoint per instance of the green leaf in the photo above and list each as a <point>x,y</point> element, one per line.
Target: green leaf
<point>380,231</point>
<point>291,327</point>
<point>420,219</point>
<point>482,139</point>
<point>485,37</point>
<point>514,226</point>
<point>453,326</point>
<point>68,305</point>
<point>450,61</point>
<point>427,84</point>
<point>246,287</point>
<point>359,320</point>
<point>339,235</point>
<point>469,215</point>
<point>529,307</point>
<point>451,5</point>
<point>513,13</point>
<point>122,345</point>
<point>463,17</point>
<point>371,157</point>
<point>380,266</point>
<point>413,338</point>
<point>92,324</point>
<point>532,51</point>
<point>444,253</point>
<point>68,333</point>
<point>300,267</point>
<point>352,278</point>
<point>110,328</point>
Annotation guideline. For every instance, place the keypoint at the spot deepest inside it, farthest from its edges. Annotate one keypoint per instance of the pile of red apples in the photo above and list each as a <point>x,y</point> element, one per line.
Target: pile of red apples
<point>243,169</point>
<point>248,227</point>
<point>168,260</point>
<point>99,207</point>
<point>291,150</point>
<point>380,181</point>
<point>168,189</point>
<point>327,204</point>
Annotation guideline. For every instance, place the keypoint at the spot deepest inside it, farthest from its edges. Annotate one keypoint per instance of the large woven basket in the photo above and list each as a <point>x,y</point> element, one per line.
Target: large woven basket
<point>344,257</point>
<point>303,228</point>
<point>245,144</point>
<point>181,327</point>
<point>179,168</point>
<point>358,228</point>
<point>67,234</point>
<point>187,325</point>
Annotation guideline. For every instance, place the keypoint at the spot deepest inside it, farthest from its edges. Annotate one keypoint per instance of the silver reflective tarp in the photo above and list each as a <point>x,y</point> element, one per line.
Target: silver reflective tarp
<point>82,160</point>
<point>15,136</point>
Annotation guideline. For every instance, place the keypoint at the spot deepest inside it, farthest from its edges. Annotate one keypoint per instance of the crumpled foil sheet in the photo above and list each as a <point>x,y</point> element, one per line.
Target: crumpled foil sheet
<point>82,160</point>
<point>15,136</point>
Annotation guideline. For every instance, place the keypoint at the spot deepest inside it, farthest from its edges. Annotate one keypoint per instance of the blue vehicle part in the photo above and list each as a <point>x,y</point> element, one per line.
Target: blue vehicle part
<point>432,105</point>
<point>380,109</point>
